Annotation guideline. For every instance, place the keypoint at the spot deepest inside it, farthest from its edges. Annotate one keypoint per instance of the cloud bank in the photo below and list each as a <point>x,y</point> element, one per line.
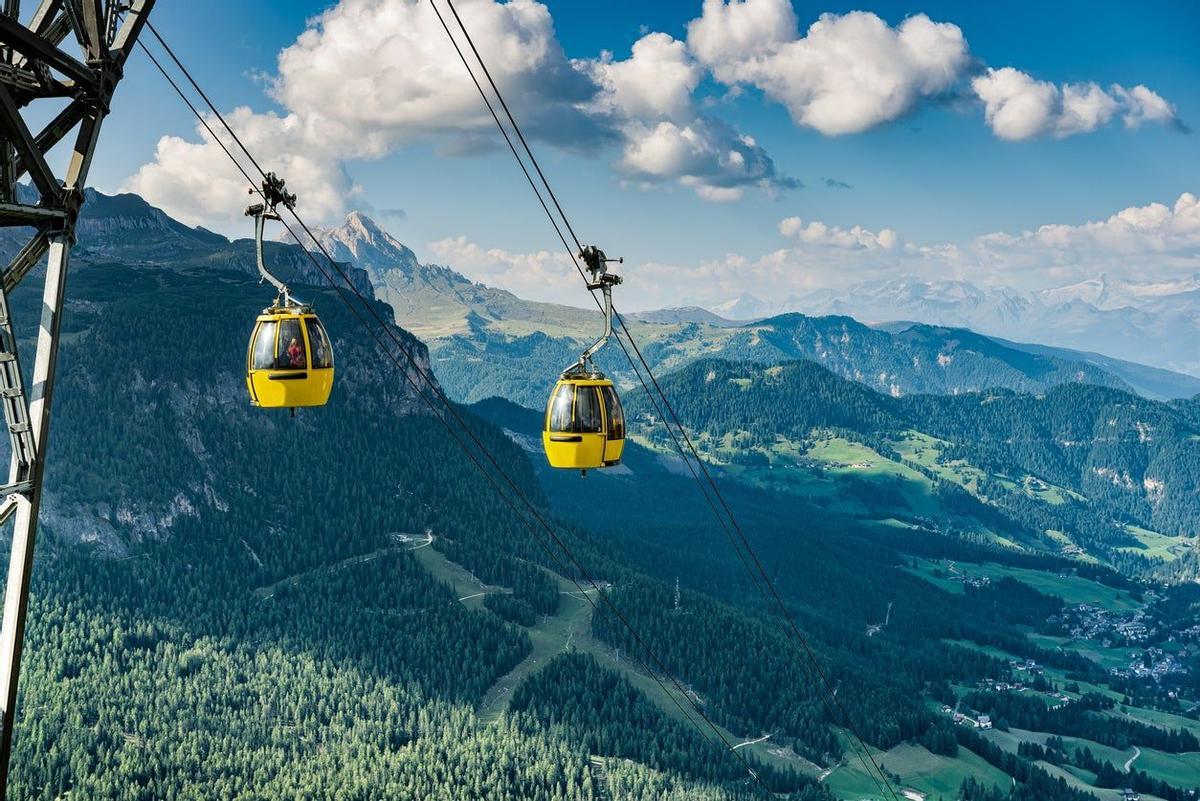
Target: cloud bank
<point>369,77</point>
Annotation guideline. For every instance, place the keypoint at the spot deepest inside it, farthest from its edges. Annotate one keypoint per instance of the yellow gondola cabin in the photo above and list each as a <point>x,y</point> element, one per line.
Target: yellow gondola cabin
<point>585,425</point>
<point>289,362</point>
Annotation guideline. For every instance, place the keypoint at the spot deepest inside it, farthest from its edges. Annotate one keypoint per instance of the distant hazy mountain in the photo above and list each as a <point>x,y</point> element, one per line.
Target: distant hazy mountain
<point>1150,323</point>
<point>684,314</point>
<point>1153,382</point>
<point>1105,292</point>
<point>435,301</point>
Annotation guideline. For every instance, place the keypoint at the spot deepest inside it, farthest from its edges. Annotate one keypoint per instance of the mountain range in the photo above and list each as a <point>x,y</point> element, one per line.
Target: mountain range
<point>487,341</point>
<point>1153,322</point>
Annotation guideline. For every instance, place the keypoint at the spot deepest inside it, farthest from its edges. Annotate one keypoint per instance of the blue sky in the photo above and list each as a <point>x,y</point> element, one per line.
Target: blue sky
<point>936,173</point>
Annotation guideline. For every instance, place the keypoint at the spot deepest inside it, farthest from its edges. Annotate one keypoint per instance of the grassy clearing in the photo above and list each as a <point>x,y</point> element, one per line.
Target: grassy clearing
<point>930,773</point>
<point>840,457</point>
<point>1056,675</point>
<point>1105,657</point>
<point>1079,783</point>
<point>1011,740</point>
<point>1180,770</point>
<point>1105,752</point>
<point>1071,589</point>
<point>937,574</point>
<point>1153,545</point>
<point>551,635</point>
<point>927,452</point>
<point>571,628</point>
<point>405,542</point>
<point>469,589</point>
<point>669,700</point>
<point>1164,720</point>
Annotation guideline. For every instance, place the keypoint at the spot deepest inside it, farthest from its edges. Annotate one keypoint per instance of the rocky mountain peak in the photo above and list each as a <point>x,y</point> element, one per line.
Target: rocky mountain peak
<point>364,243</point>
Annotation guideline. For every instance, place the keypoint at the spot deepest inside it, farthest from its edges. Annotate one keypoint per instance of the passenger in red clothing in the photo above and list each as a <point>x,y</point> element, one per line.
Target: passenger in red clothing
<point>295,352</point>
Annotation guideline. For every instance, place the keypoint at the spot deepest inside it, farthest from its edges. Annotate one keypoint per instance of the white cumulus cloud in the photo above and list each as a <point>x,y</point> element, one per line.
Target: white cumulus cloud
<point>195,182</point>
<point>847,74</point>
<point>371,75</point>
<point>815,233</point>
<point>649,96</point>
<point>726,34</point>
<point>1018,106</point>
<point>1140,105</point>
<point>657,80</point>
<point>1150,230</point>
<point>851,72</point>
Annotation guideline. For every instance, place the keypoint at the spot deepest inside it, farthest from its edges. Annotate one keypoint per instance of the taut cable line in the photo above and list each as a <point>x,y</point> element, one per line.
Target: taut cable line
<point>775,602</point>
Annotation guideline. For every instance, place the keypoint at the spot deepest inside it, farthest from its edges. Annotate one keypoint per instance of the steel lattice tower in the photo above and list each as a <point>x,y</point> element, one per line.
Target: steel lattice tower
<point>34,66</point>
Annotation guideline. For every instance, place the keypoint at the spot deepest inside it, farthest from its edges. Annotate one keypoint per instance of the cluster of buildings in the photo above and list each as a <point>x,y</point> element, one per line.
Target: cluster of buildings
<point>967,579</point>
<point>1153,663</point>
<point>1028,666</point>
<point>962,719</point>
<point>1092,622</point>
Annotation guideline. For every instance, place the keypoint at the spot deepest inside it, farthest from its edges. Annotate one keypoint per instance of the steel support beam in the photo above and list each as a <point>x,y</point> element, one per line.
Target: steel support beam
<point>95,29</point>
<point>20,214</point>
<point>47,10</point>
<point>8,508</point>
<point>20,565</point>
<point>131,28</point>
<point>15,131</point>
<point>36,48</point>
<point>23,262</point>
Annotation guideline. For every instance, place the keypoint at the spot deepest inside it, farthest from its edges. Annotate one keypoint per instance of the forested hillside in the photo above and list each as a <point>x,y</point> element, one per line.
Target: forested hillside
<point>1087,460</point>
<point>490,359</point>
<point>165,656</point>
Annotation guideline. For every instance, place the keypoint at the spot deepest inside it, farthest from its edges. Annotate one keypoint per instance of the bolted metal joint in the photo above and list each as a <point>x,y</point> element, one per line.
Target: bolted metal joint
<point>72,203</point>
<point>108,75</point>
